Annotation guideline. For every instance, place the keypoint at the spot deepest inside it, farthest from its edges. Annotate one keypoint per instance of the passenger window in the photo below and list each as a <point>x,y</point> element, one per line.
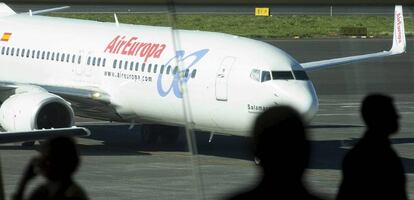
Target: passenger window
<point>33,53</point>
<point>104,62</point>
<point>162,69</point>
<point>17,52</point>
<point>48,55</point>
<point>7,50</point>
<point>53,56</point>
<point>168,69</point>
<point>62,57</point>
<point>73,58</point>
<point>137,66</point>
<point>114,65</point>
<point>94,61</point>
<point>43,55</point>
<point>28,53</point>
<point>126,65</point>
<point>88,62</point>
<point>99,62</point>
<point>175,70</point>
<point>255,75</point>
<point>187,71</point>
<point>23,51</point>
<point>67,58</point>
<point>155,68</point>
<point>57,56</point>
<point>79,59</point>
<point>120,64</point>
<point>266,76</point>
<point>143,67</point>
<point>3,49</point>
<point>131,66</point>
<point>12,52</point>
<point>149,68</point>
<point>38,54</point>
<point>193,74</point>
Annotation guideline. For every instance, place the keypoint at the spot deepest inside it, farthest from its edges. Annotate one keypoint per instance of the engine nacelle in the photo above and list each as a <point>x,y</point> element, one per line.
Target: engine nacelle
<point>35,110</point>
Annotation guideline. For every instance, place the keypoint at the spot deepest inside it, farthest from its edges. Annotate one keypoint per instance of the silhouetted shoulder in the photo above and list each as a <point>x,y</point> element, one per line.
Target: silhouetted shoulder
<point>256,194</point>
<point>372,169</point>
<point>72,192</point>
<point>279,142</point>
<point>75,192</point>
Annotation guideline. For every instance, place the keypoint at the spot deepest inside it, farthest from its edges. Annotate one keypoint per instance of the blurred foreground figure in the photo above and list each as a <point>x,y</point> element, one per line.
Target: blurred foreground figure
<point>372,169</point>
<point>281,146</point>
<point>58,161</point>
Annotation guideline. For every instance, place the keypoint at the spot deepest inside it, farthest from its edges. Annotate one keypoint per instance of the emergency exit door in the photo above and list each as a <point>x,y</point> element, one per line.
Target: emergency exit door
<point>222,78</point>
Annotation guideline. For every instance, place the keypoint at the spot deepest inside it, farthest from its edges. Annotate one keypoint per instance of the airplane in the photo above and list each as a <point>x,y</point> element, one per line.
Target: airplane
<point>55,68</point>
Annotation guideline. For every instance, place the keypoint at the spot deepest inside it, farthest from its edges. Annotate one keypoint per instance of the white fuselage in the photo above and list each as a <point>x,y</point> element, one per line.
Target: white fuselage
<point>217,68</point>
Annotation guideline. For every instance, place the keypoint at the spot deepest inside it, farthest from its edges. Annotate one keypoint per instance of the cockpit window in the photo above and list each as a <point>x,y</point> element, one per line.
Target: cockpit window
<point>300,75</point>
<point>282,75</point>
<point>266,76</point>
<point>263,76</point>
<point>255,75</point>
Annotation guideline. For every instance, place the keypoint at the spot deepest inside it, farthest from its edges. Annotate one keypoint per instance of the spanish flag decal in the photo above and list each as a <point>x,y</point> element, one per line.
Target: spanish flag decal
<point>6,37</point>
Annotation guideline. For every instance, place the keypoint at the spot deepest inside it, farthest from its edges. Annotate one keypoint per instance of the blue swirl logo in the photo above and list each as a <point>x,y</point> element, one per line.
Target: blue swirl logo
<point>181,57</point>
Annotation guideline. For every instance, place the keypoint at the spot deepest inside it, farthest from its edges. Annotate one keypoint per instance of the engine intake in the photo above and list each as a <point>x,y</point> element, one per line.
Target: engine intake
<point>35,110</point>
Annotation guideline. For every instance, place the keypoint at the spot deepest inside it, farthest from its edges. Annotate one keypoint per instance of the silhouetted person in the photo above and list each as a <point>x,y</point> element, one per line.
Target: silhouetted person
<point>372,169</point>
<point>281,146</point>
<point>58,161</point>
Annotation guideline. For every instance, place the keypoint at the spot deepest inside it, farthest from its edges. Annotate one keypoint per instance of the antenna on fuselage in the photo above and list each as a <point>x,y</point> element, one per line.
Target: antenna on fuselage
<point>30,13</point>
<point>116,20</point>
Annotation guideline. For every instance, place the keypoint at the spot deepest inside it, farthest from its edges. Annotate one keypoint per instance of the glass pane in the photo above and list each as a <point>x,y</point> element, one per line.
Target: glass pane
<point>255,75</point>
<point>142,157</point>
<point>300,75</point>
<point>282,75</point>
<point>266,76</point>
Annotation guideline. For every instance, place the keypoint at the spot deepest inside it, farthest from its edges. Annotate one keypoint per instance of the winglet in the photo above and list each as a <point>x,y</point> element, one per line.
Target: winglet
<point>399,42</point>
<point>5,10</point>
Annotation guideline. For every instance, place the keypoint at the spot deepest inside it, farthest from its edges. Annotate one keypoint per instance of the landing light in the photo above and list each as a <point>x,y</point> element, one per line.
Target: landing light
<point>96,95</point>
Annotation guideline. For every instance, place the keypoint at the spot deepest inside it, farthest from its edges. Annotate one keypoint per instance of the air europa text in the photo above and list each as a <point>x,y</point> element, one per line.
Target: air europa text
<point>133,47</point>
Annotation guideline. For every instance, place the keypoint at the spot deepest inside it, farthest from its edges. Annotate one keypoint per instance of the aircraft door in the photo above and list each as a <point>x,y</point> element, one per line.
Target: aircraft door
<point>222,78</point>
<point>83,68</point>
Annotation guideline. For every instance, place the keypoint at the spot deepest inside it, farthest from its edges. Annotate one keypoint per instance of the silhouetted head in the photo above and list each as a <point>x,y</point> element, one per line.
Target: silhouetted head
<point>379,114</point>
<point>59,158</point>
<point>280,143</point>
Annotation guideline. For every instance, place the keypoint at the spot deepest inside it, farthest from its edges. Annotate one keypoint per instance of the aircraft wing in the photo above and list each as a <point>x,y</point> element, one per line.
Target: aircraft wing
<point>27,136</point>
<point>398,47</point>
<point>7,11</point>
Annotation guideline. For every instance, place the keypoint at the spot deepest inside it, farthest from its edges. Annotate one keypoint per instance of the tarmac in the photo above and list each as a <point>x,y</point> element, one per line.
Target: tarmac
<point>116,165</point>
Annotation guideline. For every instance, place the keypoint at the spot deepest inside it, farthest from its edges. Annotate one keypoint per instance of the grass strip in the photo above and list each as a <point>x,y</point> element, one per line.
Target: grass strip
<point>275,27</point>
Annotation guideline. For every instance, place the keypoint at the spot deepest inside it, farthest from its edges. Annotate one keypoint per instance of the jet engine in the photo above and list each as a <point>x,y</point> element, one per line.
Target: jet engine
<point>35,110</point>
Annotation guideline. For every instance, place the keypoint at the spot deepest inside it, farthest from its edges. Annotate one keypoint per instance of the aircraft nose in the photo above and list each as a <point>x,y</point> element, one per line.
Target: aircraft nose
<point>301,96</point>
